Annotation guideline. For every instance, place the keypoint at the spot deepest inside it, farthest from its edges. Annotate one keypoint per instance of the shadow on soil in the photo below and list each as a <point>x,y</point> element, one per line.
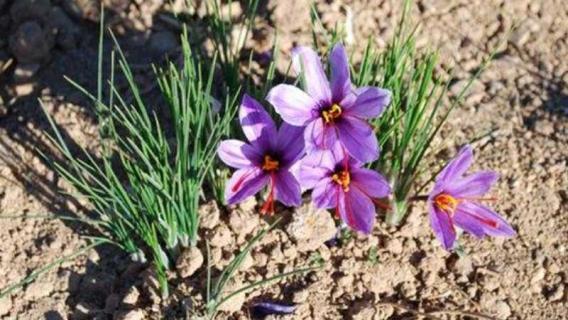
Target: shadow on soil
<point>99,290</point>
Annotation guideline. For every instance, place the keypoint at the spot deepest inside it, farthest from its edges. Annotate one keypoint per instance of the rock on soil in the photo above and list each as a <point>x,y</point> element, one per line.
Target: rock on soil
<point>189,261</point>
<point>311,227</point>
<point>221,236</point>
<point>131,297</point>
<point>130,315</point>
<point>5,305</point>
<point>209,215</point>
<point>31,43</point>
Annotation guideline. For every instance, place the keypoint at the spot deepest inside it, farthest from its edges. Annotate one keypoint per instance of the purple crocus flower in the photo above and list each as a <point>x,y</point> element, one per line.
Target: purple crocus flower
<point>266,160</point>
<point>331,110</point>
<point>454,201</point>
<point>340,182</point>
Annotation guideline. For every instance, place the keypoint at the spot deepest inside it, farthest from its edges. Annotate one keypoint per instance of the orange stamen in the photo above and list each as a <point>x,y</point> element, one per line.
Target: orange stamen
<point>270,164</point>
<point>446,202</point>
<point>342,178</point>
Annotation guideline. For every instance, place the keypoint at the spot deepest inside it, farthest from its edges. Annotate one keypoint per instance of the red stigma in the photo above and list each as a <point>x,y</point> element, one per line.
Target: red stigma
<point>268,206</point>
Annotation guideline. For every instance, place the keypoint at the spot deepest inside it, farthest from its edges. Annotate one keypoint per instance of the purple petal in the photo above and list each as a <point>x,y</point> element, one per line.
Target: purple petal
<point>490,221</point>
<point>442,226</point>
<point>243,184</point>
<point>325,194</point>
<point>455,168</point>
<point>238,154</point>
<point>340,78</point>
<point>319,136</point>
<point>370,182</point>
<point>306,61</point>
<point>290,144</point>
<point>370,102</point>
<point>257,125</point>
<point>269,308</point>
<point>468,223</point>
<point>473,185</point>
<point>287,188</point>
<point>294,105</point>
<point>357,210</point>
<point>315,167</point>
<point>341,157</point>
<point>358,138</point>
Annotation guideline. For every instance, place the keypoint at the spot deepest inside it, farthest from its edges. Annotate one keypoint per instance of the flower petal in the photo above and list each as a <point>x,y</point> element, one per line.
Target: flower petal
<point>357,210</point>
<point>265,308</point>
<point>257,124</point>
<point>315,167</point>
<point>287,188</point>
<point>455,168</point>
<point>307,62</point>
<point>370,102</point>
<point>473,185</point>
<point>370,182</point>
<point>468,223</point>
<point>325,194</point>
<point>358,138</point>
<point>290,144</point>
<point>489,220</point>
<point>319,136</point>
<point>238,154</point>
<point>340,77</point>
<point>294,105</point>
<point>243,184</point>
<point>442,226</point>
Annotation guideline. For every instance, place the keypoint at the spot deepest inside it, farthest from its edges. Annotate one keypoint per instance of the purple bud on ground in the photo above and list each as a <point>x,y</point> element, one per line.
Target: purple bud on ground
<point>265,308</point>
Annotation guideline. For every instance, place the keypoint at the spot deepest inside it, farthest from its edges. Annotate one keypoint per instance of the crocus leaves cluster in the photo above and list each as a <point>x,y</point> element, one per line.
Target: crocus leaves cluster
<point>323,145</point>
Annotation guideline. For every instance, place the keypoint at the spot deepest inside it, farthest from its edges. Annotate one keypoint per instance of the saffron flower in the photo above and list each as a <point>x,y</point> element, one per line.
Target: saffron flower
<point>340,182</point>
<point>455,201</point>
<point>266,160</point>
<point>331,110</point>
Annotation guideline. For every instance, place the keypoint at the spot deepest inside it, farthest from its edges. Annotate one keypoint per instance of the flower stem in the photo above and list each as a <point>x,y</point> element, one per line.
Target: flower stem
<point>398,212</point>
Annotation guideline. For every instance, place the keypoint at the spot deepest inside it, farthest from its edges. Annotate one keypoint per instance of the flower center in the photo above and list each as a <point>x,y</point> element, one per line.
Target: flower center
<point>334,112</point>
<point>270,164</point>
<point>446,202</point>
<point>342,178</point>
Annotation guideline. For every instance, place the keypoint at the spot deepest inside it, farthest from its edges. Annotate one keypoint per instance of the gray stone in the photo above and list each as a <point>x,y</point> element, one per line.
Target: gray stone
<point>25,71</point>
<point>31,43</point>
<point>163,42</point>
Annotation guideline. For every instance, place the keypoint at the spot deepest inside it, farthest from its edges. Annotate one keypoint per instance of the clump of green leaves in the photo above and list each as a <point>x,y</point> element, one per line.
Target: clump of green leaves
<point>146,186</point>
<point>408,126</point>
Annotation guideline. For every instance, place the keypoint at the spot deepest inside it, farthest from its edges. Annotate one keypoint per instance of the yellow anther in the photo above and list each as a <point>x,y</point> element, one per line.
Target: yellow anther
<point>343,179</point>
<point>334,112</point>
<point>270,164</point>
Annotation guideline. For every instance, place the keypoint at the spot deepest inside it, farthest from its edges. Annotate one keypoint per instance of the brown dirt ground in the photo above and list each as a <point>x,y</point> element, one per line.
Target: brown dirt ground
<point>519,106</point>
